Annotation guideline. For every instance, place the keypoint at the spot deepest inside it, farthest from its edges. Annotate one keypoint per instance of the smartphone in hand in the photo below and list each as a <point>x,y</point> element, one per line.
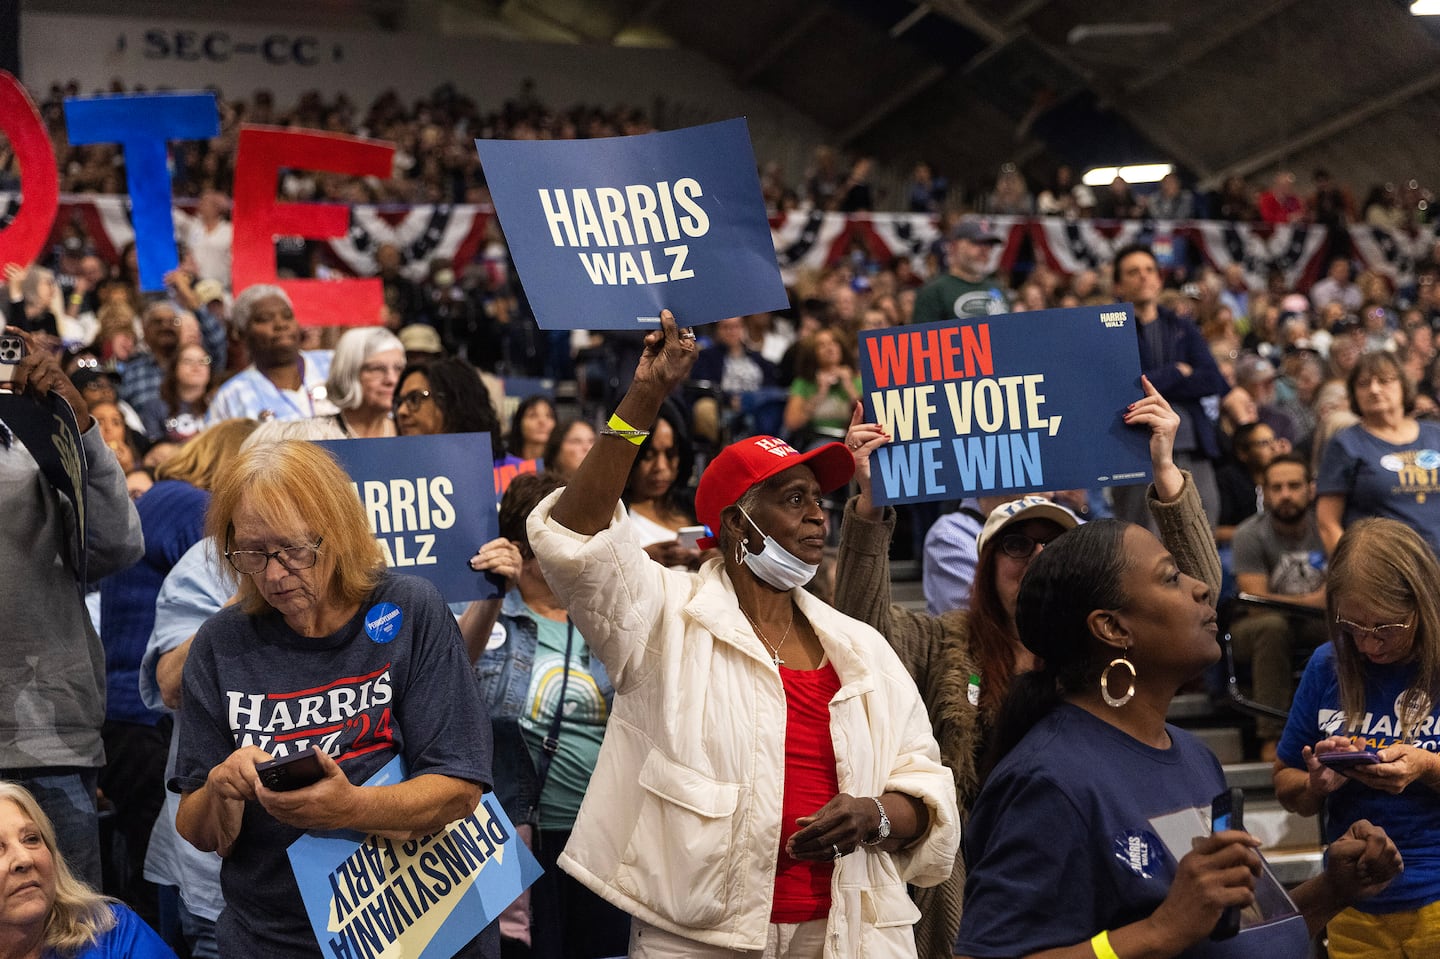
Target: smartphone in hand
<point>1227,811</point>
<point>1342,760</point>
<point>12,351</point>
<point>291,772</point>
<point>689,535</point>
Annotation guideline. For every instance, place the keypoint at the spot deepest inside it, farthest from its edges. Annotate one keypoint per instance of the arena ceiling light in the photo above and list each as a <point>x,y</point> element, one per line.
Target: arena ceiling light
<point>1136,173</point>
<point>1425,8</point>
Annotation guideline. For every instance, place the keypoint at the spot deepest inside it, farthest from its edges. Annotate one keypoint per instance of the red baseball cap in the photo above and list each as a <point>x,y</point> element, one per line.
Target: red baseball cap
<point>755,459</point>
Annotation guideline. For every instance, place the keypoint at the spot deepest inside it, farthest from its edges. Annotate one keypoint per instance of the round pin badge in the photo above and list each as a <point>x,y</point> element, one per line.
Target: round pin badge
<point>1140,851</point>
<point>498,635</point>
<point>382,622</point>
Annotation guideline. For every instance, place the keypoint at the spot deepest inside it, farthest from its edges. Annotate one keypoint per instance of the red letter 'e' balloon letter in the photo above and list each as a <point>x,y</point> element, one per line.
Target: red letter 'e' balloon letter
<point>260,218</point>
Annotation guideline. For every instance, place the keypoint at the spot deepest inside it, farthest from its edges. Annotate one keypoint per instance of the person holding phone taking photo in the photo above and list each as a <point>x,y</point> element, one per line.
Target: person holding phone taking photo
<point>1375,689</point>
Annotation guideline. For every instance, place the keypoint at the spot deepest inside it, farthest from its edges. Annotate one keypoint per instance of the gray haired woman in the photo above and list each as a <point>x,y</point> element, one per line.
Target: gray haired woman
<point>363,375</point>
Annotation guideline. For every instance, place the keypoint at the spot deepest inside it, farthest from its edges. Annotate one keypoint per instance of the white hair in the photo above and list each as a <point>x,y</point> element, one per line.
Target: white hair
<point>251,295</point>
<point>354,348</point>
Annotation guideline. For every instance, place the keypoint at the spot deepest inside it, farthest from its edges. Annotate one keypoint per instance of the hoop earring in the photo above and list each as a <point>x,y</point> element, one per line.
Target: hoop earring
<point>740,552</point>
<point>1115,702</point>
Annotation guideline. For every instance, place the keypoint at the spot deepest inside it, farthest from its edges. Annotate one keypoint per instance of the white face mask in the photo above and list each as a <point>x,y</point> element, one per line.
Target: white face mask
<point>775,564</point>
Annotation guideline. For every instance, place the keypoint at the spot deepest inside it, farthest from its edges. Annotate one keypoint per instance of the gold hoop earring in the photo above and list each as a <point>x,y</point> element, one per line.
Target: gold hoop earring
<point>1115,702</point>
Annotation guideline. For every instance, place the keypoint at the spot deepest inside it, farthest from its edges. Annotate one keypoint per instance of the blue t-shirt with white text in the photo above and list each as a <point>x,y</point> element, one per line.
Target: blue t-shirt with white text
<point>1412,819</point>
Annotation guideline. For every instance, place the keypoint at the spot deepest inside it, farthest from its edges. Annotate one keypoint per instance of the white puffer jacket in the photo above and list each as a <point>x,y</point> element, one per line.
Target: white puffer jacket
<point>681,823</point>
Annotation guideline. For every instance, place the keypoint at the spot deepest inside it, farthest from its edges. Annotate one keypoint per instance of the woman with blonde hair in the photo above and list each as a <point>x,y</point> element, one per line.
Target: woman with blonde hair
<point>47,911</point>
<point>317,610</point>
<point>1376,686</point>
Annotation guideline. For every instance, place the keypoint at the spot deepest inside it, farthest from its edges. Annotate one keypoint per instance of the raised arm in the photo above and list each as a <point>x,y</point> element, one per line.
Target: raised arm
<point>588,503</point>
<point>1173,499</point>
<point>1153,412</point>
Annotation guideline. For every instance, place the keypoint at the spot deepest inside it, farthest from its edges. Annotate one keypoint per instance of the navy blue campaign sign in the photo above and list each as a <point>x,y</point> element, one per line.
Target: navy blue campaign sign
<point>368,896</point>
<point>430,501</point>
<point>606,233</point>
<point>1005,404</point>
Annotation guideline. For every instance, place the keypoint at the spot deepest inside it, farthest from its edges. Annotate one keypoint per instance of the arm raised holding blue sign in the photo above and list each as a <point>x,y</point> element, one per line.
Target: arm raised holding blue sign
<point>963,661</point>
<point>770,771</point>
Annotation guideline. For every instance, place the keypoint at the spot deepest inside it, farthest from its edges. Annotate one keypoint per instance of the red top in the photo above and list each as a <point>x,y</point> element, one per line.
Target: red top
<point>802,889</point>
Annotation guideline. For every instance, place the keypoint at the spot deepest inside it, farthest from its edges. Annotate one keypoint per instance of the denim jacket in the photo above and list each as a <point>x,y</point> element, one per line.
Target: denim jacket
<point>504,673</point>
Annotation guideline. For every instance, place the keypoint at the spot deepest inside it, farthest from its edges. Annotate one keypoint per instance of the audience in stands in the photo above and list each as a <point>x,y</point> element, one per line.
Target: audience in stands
<point>1284,357</point>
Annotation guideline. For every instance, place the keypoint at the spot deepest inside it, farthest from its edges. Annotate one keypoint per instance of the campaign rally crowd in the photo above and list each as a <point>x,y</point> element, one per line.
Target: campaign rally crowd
<point>694,697</point>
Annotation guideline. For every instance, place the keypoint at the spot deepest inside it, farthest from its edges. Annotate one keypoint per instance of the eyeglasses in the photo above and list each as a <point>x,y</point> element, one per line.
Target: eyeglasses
<point>412,400</point>
<point>194,361</point>
<point>1020,546</point>
<point>1385,633</point>
<point>294,558</point>
<point>379,369</point>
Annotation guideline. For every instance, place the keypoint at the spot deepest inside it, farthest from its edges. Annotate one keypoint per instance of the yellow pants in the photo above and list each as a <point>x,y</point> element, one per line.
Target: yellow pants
<point>1391,935</point>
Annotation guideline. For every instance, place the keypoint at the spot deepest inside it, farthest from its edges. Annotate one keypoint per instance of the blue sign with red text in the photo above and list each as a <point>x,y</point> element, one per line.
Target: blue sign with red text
<point>1005,404</point>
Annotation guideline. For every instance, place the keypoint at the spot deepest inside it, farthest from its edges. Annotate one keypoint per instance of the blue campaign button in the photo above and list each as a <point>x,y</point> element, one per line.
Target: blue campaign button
<point>382,622</point>
<point>1140,851</point>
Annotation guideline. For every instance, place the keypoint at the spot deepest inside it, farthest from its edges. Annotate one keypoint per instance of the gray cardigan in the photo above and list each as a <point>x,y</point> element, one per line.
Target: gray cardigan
<point>52,678</point>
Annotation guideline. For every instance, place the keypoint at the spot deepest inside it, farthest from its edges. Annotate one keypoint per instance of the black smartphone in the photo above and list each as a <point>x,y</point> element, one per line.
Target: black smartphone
<point>1343,760</point>
<point>12,351</point>
<point>291,772</point>
<point>1227,811</point>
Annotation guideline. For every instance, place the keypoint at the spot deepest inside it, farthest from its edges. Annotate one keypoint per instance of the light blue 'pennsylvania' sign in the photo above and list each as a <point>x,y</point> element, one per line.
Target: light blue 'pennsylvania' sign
<point>606,233</point>
<point>377,898</point>
<point>1005,404</point>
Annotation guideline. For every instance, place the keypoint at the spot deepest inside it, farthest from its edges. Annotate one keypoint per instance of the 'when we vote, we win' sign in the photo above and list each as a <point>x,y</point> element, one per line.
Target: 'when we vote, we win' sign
<point>1005,404</point>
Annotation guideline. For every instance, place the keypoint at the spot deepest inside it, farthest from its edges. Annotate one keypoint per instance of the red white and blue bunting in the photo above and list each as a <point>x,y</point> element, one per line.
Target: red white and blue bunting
<point>422,232</point>
<point>812,240</point>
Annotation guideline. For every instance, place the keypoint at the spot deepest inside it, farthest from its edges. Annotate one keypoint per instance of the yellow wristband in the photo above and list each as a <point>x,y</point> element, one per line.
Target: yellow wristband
<point>1101,945</point>
<point>615,426</point>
